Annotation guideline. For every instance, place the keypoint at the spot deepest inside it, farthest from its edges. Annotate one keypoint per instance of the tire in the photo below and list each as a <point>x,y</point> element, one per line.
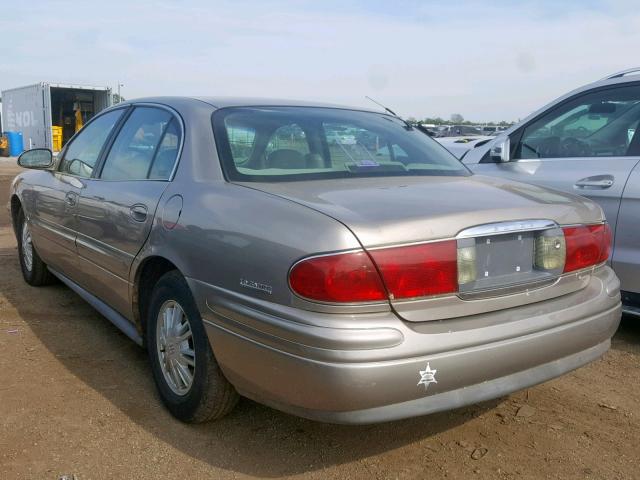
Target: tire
<point>209,396</point>
<point>34,270</point>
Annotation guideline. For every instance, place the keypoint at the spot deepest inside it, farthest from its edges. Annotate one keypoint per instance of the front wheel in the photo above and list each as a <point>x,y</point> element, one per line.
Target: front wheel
<point>34,270</point>
<point>187,376</point>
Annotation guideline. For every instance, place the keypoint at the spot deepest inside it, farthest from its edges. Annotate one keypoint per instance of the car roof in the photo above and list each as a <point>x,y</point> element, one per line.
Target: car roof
<point>224,102</point>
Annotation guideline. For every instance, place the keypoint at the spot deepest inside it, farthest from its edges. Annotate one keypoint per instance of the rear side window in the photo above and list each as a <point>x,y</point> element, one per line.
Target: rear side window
<point>145,148</point>
<point>83,152</point>
<point>165,158</point>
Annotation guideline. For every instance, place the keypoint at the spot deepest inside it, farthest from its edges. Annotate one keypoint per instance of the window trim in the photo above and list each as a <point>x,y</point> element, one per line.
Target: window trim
<point>107,142</point>
<point>155,154</point>
<point>174,114</point>
<point>516,135</point>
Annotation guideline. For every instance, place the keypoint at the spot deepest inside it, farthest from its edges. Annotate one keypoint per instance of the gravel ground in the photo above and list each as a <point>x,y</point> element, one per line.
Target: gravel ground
<point>76,398</point>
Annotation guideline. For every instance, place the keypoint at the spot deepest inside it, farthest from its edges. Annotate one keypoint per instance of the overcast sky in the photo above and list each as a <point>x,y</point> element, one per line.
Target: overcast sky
<point>485,60</point>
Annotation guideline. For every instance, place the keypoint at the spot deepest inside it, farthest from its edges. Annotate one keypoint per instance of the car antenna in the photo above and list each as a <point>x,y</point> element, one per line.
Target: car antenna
<point>409,126</point>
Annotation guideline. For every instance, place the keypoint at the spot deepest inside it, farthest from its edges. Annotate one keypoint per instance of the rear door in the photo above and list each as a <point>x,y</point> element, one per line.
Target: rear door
<point>116,208</point>
<point>584,145</point>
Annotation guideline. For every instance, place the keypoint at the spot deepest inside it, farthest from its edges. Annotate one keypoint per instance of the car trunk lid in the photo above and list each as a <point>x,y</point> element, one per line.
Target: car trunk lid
<point>397,210</point>
<point>499,217</point>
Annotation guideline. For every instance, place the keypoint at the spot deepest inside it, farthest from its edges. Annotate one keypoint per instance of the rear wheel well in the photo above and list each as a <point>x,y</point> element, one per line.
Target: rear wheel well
<point>16,206</point>
<point>148,275</point>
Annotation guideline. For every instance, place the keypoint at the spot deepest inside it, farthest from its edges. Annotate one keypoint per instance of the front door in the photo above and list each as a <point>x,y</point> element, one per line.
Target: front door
<point>56,196</point>
<point>54,199</point>
<point>626,253</point>
<point>585,145</point>
<point>117,207</point>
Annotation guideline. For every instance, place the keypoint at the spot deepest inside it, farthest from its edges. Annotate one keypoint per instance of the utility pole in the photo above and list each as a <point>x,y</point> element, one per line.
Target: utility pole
<point>119,85</point>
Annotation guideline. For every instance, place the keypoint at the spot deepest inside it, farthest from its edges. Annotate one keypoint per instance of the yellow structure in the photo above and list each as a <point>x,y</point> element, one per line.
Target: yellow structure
<point>79,122</point>
<point>57,138</point>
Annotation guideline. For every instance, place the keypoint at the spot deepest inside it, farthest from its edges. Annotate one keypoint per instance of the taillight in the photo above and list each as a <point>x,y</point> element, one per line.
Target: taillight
<point>435,268</point>
<point>419,270</point>
<point>345,277</point>
<point>550,251</point>
<point>586,245</point>
<point>407,272</point>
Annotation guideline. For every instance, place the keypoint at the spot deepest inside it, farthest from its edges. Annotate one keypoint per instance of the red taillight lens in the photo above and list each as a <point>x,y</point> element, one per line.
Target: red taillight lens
<point>346,277</point>
<point>408,272</point>
<point>422,270</point>
<point>587,245</point>
<point>419,270</point>
<point>607,240</point>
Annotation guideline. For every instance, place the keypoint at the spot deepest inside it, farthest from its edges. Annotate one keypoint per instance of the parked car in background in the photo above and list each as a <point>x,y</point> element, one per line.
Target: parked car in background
<point>352,283</point>
<point>489,130</point>
<point>585,142</point>
<point>341,139</point>
<point>492,129</point>
<point>458,131</point>
<point>459,146</point>
<point>428,128</point>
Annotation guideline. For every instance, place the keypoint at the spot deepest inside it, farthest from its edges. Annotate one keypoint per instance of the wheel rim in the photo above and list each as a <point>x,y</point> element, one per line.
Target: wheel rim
<point>174,341</point>
<point>27,247</point>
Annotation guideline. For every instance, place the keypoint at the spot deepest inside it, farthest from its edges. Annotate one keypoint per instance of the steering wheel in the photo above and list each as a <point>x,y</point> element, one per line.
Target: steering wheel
<point>548,147</point>
<point>572,147</point>
<point>582,131</point>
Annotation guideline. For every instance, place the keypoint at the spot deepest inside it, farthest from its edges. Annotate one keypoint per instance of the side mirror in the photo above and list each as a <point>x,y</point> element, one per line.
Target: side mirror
<point>501,150</point>
<point>37,158</point>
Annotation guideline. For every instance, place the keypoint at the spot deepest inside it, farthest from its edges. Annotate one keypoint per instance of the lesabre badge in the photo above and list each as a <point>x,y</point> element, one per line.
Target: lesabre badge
<point>427,376</point>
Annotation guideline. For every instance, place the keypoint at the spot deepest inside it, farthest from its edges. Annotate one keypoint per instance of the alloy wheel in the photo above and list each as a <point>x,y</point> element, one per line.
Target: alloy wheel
<point>174,341</point>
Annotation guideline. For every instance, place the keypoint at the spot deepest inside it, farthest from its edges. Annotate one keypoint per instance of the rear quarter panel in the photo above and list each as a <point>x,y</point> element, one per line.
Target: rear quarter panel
<point>227,233</point>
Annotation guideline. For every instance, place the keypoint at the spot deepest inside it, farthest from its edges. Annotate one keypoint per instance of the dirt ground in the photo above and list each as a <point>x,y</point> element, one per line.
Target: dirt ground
<point>77,398</point>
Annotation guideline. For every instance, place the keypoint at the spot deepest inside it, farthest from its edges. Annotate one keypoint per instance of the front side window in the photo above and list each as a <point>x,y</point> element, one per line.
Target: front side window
<point>83,152</point>
<point>598,124</point>
<point>145,147</point>
<point>304,143</point>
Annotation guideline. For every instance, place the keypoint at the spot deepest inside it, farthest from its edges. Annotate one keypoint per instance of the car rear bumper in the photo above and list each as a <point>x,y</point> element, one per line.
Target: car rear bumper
<point>459,397</point>
<point>344,375</point>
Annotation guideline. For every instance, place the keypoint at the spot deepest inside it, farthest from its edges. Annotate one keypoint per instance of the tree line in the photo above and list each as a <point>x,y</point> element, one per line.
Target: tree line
<point>456,119</point>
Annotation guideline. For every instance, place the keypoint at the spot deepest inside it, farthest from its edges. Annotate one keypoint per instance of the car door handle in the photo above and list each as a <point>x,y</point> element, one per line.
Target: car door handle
<point>138,213</point>
<point>600,181</point>
<point>71,198</point>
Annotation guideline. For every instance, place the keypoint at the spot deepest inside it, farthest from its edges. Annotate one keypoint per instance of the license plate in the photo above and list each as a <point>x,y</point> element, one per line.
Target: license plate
<point>503,260</point>
<point>500,255</point>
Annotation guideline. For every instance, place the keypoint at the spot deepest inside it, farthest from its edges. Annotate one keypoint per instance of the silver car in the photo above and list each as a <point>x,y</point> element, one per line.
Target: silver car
<point>345,281</point>
<point>585,142</point>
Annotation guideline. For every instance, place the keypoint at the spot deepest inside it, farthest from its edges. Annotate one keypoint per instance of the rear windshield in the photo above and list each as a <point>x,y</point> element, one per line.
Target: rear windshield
<point>267,144</point>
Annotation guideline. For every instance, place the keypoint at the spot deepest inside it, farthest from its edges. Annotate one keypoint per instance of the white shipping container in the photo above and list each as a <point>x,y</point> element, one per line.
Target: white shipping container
<point>34,109</point>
